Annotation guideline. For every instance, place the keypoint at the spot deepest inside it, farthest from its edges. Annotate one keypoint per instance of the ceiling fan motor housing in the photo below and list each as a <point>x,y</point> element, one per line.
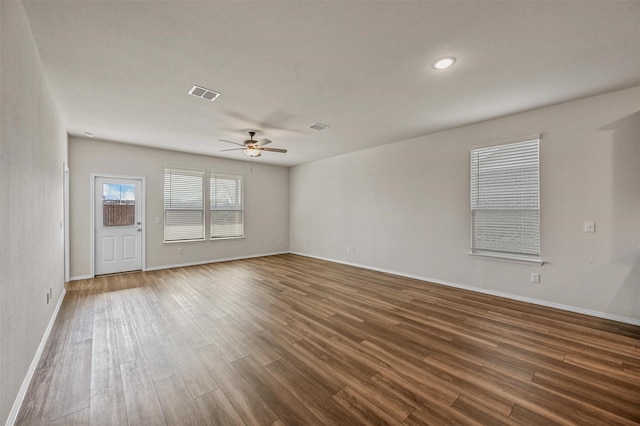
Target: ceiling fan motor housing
<point>250,142</point>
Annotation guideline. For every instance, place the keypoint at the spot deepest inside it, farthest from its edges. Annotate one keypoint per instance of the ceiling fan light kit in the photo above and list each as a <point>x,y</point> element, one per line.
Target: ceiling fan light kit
<point>253,148</point>
<point>251,152</point>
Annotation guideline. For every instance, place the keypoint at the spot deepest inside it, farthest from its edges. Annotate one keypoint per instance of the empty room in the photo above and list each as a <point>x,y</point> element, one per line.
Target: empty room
<point>319,212</point>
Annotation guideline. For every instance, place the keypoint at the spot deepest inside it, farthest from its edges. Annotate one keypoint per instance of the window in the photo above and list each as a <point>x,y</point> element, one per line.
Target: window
<point>183,205</point>
<point>505,200</point>
<point>118,205</point>
<point>226,205</point>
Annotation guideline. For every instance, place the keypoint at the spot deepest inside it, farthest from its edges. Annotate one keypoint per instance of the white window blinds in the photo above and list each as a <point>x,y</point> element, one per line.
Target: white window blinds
<point>183,205</point>
<point>505,200</point>
<point>226,205</point>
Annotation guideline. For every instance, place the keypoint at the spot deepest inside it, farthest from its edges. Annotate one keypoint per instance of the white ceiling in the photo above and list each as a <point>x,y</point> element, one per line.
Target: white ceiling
<point>122,69</point>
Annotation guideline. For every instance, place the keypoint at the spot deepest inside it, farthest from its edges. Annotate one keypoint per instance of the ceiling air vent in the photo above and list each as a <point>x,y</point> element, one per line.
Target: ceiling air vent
<point>203,93</point>
<point>318,126</point>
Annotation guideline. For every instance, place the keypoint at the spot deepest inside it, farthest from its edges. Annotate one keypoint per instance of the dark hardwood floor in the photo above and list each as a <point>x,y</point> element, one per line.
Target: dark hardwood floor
<point>286,340</point>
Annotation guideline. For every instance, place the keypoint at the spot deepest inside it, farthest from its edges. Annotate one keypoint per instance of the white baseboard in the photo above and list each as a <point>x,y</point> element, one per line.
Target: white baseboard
<point>13,415</point>
<point>204,262</point>
<point>80,277</point>
<point>569,308</point>
<point>181,265</point>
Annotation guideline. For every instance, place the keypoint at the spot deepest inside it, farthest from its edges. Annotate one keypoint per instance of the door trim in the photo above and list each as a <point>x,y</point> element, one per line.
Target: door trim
<point>67,229</point>
<point>92,182</point>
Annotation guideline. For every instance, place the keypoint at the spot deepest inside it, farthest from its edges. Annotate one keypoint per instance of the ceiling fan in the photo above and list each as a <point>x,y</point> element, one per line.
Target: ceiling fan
<point>252,148</point>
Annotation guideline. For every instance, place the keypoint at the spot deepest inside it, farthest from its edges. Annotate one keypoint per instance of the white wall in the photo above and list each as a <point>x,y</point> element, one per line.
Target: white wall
<point>266,202</point>
<point>404,207</point>
<point>32,153</point>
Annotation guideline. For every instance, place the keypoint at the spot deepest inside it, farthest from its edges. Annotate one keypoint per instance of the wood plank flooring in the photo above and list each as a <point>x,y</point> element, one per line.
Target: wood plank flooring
<point>289,340</point>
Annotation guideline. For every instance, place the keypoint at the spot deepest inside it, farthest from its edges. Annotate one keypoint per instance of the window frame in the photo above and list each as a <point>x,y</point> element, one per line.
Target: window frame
<point>194,172</point>
<point>240,178</point>
<point>509,256</point>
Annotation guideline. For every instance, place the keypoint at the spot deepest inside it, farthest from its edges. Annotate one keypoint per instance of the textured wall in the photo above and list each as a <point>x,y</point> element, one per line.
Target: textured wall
<point>404,207</point>
<point>32,154</point>
<point>266,202</point>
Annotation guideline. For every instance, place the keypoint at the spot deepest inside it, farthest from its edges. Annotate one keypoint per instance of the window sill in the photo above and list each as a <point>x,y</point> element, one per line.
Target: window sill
<point>507,258</point>
<point>203,240</point>
<point>184,241</point>
<point>226,238</point>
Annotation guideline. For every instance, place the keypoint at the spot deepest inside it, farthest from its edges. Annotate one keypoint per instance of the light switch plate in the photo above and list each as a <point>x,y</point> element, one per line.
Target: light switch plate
<point>589,227</point>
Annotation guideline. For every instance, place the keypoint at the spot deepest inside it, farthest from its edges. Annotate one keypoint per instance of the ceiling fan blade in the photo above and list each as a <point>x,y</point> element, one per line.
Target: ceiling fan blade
<point>232,149</point>
<point>235,143</point>
<point>272,149</point>
<point>264,142</point>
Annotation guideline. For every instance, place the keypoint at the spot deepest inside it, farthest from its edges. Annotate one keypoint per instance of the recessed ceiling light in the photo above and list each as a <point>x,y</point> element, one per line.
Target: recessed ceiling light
<point>444,63</point>
<point>89,134</point>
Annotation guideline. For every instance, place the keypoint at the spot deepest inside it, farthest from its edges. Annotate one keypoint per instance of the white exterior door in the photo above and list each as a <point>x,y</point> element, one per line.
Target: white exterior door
<point>118,225</point>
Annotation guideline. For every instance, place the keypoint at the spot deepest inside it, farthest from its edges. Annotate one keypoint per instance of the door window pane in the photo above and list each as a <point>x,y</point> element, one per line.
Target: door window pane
<point>118,205</point>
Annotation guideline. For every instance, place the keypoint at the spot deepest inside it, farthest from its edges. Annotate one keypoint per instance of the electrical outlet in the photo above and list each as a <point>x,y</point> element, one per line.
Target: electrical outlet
<point>589,227</point>
<point>350,250</point>
<point>535,278</point>
<point>179,250</point>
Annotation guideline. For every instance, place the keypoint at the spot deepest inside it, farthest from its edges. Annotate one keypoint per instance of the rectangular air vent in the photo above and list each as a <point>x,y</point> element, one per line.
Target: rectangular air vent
<point>204,93</point>
<point>318,126</point>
